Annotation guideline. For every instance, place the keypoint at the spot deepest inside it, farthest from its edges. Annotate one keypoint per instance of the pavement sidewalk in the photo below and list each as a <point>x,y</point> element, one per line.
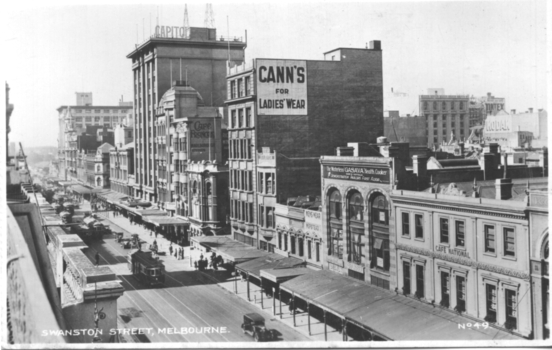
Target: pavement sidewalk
<point>270,307</point>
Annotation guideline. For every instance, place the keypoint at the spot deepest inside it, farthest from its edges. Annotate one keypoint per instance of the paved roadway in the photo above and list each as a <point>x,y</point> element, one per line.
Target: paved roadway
<point>189,300</point>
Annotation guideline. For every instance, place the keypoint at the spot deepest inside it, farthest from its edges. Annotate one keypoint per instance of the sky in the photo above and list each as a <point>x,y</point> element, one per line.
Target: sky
<point>52,50</point>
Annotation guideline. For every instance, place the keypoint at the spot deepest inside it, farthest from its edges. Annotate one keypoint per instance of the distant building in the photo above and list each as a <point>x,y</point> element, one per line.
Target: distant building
<point>517,130</point>
<point>411,129</point>
<point>481,107</point>
<point>446,115</point>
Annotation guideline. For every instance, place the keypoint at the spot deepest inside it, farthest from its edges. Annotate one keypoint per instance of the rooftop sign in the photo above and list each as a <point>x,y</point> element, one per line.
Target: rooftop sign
<point>171,32</point>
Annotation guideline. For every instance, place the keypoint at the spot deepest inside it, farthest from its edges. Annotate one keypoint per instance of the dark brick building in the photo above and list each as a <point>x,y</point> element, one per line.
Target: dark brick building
<point>291,112</point>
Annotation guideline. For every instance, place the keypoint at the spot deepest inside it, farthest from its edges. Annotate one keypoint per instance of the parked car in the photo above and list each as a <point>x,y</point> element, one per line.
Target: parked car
<point>254,325</point>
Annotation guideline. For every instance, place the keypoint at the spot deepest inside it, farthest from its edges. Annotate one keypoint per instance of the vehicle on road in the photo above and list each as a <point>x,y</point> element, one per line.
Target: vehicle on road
<point>146,268</point>
<point>254,325</point>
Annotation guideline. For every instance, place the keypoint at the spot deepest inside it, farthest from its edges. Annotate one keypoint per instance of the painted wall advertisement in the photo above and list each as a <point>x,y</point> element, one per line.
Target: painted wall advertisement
<point>281,87</point>
<point>362,174</point>
<point>202,140</point>
<point>498,124</point>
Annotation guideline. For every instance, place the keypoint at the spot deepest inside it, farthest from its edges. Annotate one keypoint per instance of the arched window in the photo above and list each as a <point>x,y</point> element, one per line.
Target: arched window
<point>380,210</point>
<point>99,181</point>
<point>356,207</point>
<point>208,189</point>
<point>335,205</point>
<point>355,228</point>
<point>194,188</point>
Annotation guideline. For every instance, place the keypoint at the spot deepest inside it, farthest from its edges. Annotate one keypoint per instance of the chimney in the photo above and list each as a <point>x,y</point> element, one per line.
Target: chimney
<point>530,110</point>
<point>489,94</point>
<point>512,111</point>
<point>503,188</point>
<point>375,45</point>
<point>419,167</point>
<point>345,151</point>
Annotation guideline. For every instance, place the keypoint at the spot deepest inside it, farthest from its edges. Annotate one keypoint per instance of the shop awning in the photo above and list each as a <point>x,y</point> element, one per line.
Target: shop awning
<point>389,315</point>
<point>270,261</point>
<point>228,248</point>
<point>159,220</point>
<point>67,183</point>
<point>150,212</point>
<point>280,275</point>
<point>85,190</point>
<point>112,196</point>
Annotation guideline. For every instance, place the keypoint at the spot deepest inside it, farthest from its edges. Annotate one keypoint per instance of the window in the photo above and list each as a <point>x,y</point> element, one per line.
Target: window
<point>285,243</point>
<point>356,208</point>
<point>247,117</point>
<point>511,309</point>
<point>445,289</point>
<point>420,281</point>
<point>97,119</point>
<point>241,90</point>
<point>270,217</point>
<point>419,222</point>
<point>380,211</point>
<point>509,242</point>
<point>490,295</point>
<point>317,252</point>
<point>435,105</point>
<point>232,89</point>
<point>489,239</point>
<point>247,86</point>
<point>301,244</point>
<point>406,224</point>
<point>425,105</point>
<point>461,105</point>
<point>233,113</point>
<point>444,231</point>
<point>336,243</point>
<point>460,234</point>
<point>406,277</point>
<point>444,105</point>
<point>240,118</point>
<point>88,119</point>
<point>309,249</point>
<point>279,240</point>
<point>381,254</point>
<point>78,119</point>
<point>292,244</point>
<point>452,105</point>
<point>335,205</point>
<point>460,293</point>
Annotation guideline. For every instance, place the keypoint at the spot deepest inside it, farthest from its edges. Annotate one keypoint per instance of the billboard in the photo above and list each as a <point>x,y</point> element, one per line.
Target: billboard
<point>281,87</point>
<point>357,173</point>
<point>498,124</point>
<point>202,139</point>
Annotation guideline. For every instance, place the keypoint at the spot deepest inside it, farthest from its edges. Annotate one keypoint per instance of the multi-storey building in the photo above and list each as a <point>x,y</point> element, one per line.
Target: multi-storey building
<point>409,128</point>
<point>192,178</point>
<point>196,56</point>
<point>481,107</point>
<point>468,250</point>
<point>447,116</point>
<point>122,157</point>
<point>292,112</point>
<point>83,118</point>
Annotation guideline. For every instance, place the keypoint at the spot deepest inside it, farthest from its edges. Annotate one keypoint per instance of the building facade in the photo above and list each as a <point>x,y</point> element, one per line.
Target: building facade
<point>447,116</point>
<point>121,162</point>
<point>468,255</point>
<point>291,112</point>
<point>200,59</point>
<point>411,129</point>
<point>481,107</point>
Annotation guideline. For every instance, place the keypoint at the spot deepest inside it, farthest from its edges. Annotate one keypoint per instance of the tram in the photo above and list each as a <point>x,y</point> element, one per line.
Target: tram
<point>146,268</point>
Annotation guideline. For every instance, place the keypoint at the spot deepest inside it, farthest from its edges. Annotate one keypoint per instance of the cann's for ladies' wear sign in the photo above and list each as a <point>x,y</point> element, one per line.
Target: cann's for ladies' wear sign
<point>363,174</point>
<point>281,87</point>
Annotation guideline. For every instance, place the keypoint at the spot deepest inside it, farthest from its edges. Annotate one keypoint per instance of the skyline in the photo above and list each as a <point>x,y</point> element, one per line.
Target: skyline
<point>500,48</point>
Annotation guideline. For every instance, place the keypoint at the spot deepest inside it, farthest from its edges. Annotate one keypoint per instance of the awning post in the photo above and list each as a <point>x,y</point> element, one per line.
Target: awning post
<point>308,316</point>
<point>293,308</point>
<point>280,293</point>
<point>248,297</point>
<point>236,282</point>
<point>273,301</point>
<point>325,328</point>
<point>344,329</point>
<point>262,306</point>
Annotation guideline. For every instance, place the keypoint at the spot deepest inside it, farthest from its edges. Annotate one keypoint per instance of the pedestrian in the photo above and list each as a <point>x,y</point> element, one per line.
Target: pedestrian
<point>291,307</point>
<point>170,249</point>
<point>182,253</point>
<point>97,258</point>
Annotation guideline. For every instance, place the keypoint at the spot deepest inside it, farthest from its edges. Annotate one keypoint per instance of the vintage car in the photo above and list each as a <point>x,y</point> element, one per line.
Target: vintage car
<point>254,325</point>
<point>125,243</point>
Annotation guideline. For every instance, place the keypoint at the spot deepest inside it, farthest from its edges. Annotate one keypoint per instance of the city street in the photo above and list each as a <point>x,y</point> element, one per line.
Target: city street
<point>190,308</point>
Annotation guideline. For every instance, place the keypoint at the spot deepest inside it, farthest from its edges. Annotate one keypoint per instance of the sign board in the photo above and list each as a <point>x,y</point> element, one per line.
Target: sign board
<point>498,124</point>
<point>362,174</point>
<point>313,221</point>
<point>171,32</point>
<point>281,87</point>
<point>202,139</point>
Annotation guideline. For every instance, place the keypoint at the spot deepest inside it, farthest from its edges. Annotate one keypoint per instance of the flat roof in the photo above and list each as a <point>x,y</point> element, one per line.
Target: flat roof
<point>278,275</point>
<point>184,42</point>
<point>269,261</point>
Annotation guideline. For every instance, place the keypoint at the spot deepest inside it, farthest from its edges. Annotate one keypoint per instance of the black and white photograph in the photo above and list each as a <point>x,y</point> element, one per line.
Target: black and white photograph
<point>281,174</point>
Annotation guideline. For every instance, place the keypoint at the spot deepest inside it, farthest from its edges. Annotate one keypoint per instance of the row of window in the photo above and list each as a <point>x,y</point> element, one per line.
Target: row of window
<point>241,180</point>
<point>240,149</point>
<point>179,144</point>
<point>380,210</point>
<point>240,88</point>
<point>241,118</point>
<point>297,246</point>
<point>266,183</point>
<point>266,217</point>
<point>98,119</point>
<point>457,233</point>
<point>101,111</point>
<point>443,104</point>
<point>242,211</point>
